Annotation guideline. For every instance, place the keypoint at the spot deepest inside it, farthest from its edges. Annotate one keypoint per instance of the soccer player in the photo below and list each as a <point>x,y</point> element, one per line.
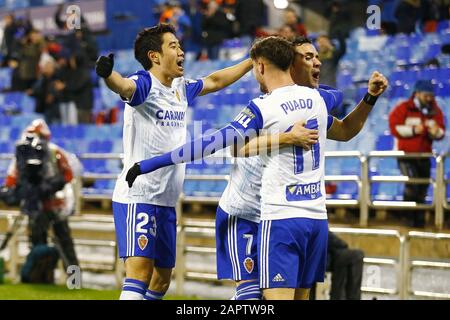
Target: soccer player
<point>242,121</point>
<point>154,122</point>
<point>273,57</point>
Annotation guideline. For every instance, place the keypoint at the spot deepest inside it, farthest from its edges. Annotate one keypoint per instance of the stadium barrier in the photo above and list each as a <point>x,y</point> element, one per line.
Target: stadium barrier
<point>410,264</point>
<point>18,245</point>
<point>188,227</point>
<point>206,229</point>
<point>364,181</point>
<point>437,183</point>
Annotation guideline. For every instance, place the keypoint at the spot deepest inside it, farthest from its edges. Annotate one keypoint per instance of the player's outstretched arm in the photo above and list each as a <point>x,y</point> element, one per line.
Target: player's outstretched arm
<point>120,85</point>
<point>195,149</point>
<point>299,135</point>
<point>223,78</point>
<point>351,125</point>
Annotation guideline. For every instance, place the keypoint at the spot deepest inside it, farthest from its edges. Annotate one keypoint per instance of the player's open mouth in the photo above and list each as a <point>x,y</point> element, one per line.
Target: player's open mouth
<point>180,64</point>
<point>316,75</point>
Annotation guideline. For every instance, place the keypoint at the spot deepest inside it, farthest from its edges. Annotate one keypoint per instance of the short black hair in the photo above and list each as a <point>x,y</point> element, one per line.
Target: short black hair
<point>299,40</point>
<point>150,39</point>
<point>276,50</point>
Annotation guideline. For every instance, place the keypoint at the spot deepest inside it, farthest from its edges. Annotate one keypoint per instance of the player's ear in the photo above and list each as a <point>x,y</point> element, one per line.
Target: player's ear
<point>261,67</point>
<point>153,56</point>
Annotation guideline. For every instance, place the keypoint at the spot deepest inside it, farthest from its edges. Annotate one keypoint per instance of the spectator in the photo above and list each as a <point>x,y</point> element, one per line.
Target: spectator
<point>291,19</point>
<point>75,91</point>
<point>346,266</point>
<point>340,21</point>
<point>45,93</point>
<point>78,42</point>
<point>27,57</point>
<point>407,14</point>
<point>175,15</point>
<point>329,56</point>
<point>430,15</point>
<point>250,15</point>
<point>286,31</point>
<point>416,123</point>
<point>8,42</point>
<point>216,28</point>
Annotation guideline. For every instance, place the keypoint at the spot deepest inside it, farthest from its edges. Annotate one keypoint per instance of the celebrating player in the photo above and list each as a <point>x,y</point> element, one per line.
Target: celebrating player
<point>377,84</point>
<point>154,122</point>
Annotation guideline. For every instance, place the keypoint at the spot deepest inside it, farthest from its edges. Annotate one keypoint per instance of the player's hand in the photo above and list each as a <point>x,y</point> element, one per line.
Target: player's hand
<point>104,65</point>
<point>303,137</point>
<point>377,84</point>
<point>133,173</point>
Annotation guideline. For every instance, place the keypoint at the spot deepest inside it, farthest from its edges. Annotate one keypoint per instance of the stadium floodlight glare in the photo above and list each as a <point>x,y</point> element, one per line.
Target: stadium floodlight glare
<point>281,4</point>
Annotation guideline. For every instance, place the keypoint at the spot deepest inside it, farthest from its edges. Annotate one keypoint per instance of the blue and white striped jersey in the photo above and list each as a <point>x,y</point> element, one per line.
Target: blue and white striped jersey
<point>292,180</point>
<point>241,197</point>
<point>155,123</point>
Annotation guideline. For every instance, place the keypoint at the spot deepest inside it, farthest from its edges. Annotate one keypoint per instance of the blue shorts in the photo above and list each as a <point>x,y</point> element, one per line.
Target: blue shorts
<point>292,252</point>
<point>237,255</point>
<point>146,230</point>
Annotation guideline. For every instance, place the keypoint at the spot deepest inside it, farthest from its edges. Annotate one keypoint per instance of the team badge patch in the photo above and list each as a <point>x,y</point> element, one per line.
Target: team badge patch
<point>142,241</point>
<point>249,264</point>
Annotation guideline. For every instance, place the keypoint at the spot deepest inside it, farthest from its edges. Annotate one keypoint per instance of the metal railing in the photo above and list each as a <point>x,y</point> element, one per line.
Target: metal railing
<point>364,182</point>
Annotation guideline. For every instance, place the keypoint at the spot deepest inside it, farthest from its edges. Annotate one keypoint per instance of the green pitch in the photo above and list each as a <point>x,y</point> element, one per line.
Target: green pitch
<point>53,292</point>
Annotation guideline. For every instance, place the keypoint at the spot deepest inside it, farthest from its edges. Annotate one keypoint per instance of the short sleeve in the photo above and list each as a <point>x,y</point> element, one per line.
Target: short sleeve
<point>143,82</point>
<point>333,98</point>
<point>193,89</point>
<point>249,119</point>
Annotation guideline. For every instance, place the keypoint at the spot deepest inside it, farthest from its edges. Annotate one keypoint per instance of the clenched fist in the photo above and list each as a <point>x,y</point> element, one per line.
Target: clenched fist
<point>377,84</point>
<point>104,65</point>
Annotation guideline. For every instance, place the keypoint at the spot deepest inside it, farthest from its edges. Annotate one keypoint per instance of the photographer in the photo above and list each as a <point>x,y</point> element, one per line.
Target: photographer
<point>39,179</point>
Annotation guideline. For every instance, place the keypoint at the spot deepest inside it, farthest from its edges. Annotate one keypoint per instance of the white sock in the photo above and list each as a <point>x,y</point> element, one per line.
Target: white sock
<point>131,295</point>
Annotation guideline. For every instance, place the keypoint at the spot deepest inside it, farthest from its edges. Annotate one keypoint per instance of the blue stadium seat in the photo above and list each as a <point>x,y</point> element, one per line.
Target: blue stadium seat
<point>346,190</point>
<point>6,147</point>
<point>443,90</point>
<point>190,187</point>
<point>5,78</point>
<point>14,133</point>
<point>387,191</point>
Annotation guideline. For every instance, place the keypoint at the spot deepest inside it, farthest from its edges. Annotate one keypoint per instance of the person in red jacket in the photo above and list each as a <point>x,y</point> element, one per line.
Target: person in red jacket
<point>415,124</point>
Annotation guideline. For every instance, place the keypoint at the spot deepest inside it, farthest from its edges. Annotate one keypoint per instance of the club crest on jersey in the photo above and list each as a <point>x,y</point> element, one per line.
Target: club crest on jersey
<point>142,241</point>
<point>249,264</point>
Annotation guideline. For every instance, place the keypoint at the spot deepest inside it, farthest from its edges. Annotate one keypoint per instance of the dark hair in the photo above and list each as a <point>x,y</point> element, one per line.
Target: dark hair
<point>298,41</point>
<point>150,39</point>
<point>276,50</point>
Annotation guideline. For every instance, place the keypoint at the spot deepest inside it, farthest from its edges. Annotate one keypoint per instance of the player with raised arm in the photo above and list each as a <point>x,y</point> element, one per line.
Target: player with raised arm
<point>272,57</point>
<point>243,120</point>
<point>154,123</point>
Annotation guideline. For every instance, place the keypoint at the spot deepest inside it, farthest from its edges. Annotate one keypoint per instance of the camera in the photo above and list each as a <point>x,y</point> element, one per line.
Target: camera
<point>38,176</point>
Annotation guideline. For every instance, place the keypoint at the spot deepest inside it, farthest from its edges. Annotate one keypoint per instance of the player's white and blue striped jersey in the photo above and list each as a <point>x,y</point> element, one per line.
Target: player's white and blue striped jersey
<point>241,197</point>
<point>155,123</point>
<point>292,180</point>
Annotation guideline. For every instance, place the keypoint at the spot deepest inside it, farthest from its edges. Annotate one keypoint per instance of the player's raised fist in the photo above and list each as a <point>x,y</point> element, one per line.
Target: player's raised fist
<point>104,65</point>
<point>133,173</point>
<point>377,84</point>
